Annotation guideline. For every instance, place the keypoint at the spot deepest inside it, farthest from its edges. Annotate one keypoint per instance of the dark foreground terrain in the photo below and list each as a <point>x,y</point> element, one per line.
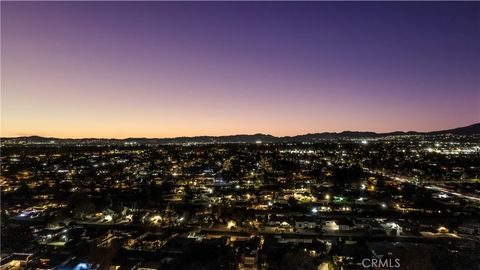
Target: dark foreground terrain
<point>402,202</point>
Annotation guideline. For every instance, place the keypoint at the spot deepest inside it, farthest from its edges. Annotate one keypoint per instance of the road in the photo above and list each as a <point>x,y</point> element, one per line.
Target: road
<point>403,179</point>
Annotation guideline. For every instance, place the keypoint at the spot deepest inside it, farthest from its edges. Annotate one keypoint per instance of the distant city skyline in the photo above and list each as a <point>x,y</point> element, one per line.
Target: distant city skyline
<point>164,69</point>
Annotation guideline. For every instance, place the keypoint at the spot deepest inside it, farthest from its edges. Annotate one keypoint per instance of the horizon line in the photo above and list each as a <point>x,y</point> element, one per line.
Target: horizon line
<point>228,135</point>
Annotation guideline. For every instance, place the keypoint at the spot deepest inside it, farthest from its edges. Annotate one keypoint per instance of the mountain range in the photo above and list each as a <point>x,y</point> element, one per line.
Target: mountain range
<point>311,137</point>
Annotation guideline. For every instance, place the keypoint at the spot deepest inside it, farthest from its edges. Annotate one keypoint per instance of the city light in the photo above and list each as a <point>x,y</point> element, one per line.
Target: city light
<point>160,135</point>
<point>231,224</point>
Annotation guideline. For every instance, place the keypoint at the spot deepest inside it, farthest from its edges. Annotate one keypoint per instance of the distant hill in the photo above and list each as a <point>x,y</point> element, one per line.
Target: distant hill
<point>466,131</point>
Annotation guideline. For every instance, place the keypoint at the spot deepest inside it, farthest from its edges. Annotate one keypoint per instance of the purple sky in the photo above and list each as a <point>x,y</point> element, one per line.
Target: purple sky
<point>152,69</point>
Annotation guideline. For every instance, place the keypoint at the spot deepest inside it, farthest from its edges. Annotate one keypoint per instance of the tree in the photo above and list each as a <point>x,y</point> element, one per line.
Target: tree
<point>188,196</point>
<point>346,176</point>
<point>80,205</point>
<point>297,259</point>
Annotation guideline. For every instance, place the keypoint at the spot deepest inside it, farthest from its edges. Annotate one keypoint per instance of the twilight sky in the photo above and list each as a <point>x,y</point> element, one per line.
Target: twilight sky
<point>152,69</point>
